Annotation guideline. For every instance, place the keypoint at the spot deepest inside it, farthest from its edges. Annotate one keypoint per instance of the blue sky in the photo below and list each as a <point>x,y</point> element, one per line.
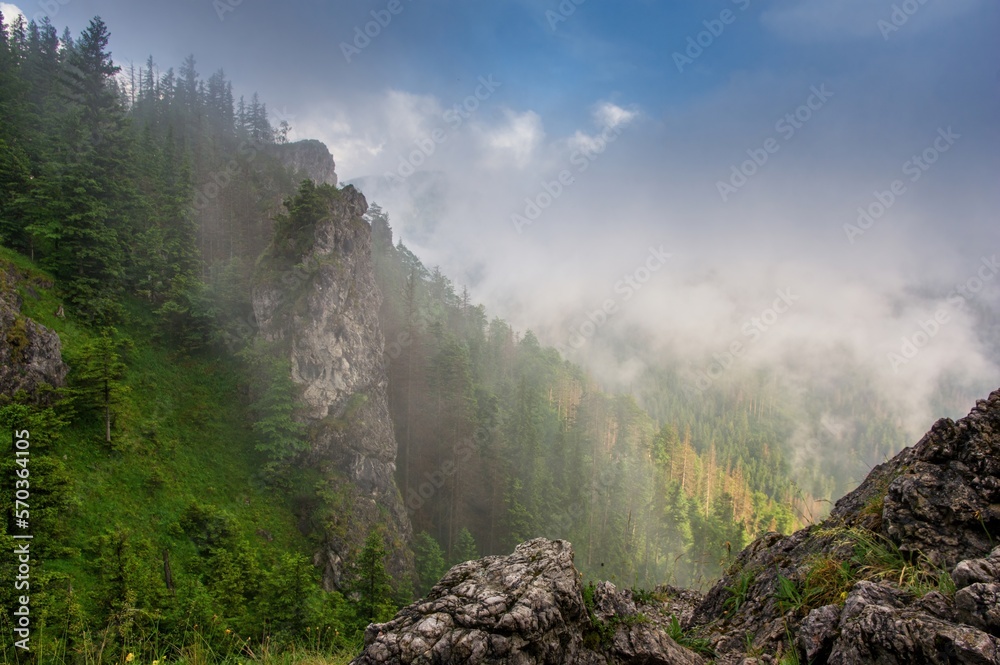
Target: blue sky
<point>899,75</point>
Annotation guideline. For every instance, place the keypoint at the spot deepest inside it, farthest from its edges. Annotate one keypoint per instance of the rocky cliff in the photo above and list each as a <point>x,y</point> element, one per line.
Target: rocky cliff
<point>30,354</point>
<point>905,570</point>
<point>323,313</point>
<point>308,159</point>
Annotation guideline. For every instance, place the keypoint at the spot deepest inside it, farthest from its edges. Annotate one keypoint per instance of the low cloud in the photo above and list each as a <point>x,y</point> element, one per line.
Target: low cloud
<point>598,201</point>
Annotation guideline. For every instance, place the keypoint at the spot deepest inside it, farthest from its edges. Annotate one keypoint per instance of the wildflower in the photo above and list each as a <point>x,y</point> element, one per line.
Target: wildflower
<point>130,657</point>
<point>228,631</point>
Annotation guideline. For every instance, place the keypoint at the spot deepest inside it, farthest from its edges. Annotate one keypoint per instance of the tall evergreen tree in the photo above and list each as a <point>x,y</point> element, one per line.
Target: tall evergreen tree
<point>371,581</point>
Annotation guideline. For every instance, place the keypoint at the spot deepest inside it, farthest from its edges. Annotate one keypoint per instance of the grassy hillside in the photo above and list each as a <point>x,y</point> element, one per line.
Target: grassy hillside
<point>180,476</point>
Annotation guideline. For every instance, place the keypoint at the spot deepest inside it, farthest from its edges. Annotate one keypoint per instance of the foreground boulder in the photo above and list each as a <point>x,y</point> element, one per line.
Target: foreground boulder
<point>527,608</point>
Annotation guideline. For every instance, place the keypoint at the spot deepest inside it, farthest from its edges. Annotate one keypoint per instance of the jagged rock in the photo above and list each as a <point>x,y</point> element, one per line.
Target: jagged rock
<point>937,605</point>
<point>935,506</point>
<point>971,571</point>
<point>30,353</point>
<point>948,500</point>
<point>307,159</point>
<point>817,633</point>
<point>527,608</point>
<point>323,312</point>
<point>877,627</point>
<point>979,605</point>
<point>932,508</point>
<point>675,602</point>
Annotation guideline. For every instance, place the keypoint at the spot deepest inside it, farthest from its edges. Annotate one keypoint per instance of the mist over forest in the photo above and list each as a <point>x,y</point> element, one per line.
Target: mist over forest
<point>342,295</point>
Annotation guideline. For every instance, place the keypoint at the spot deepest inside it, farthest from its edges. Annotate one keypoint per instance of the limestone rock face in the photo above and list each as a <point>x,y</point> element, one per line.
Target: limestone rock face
<point>526,608</point>
<point>30,353</point>
<point>324,313</point>
<point>308,159</point>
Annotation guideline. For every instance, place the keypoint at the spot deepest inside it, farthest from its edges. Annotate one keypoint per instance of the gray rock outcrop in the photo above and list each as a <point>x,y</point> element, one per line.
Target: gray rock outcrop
<point>323,312</point>
<point>30,353</point>
<point>527,608</point>
<point>307,159</point>
<point>903,570</point>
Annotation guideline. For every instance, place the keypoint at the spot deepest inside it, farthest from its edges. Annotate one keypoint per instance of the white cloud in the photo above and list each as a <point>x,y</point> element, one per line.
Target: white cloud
<point>409,116</point>
<point>10,11</point>
<point>517,139</point>
<point>607,114</point>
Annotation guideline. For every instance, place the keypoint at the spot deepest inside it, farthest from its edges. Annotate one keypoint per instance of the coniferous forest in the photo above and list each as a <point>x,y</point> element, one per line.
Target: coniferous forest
<point>176,516</point>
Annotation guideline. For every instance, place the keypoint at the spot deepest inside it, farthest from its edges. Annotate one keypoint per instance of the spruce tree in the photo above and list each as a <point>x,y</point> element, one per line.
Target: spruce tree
<point>372,583</point>
<point>98,374</point>
<point>429,558</point>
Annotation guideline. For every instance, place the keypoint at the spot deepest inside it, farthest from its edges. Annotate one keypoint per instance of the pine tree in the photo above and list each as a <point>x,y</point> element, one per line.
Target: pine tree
<point>280,435</point>
<point>98,374</point>
<point>371,581</point>
<point>82,206</point>
<point>465,548</point>
<point>429,559</point>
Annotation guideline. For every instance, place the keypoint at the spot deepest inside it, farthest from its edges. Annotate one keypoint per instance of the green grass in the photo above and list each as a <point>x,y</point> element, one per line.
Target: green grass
<point>181,436</point>
<point>697,644</point>
<point>738,592</point>
<point>829,579</point>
